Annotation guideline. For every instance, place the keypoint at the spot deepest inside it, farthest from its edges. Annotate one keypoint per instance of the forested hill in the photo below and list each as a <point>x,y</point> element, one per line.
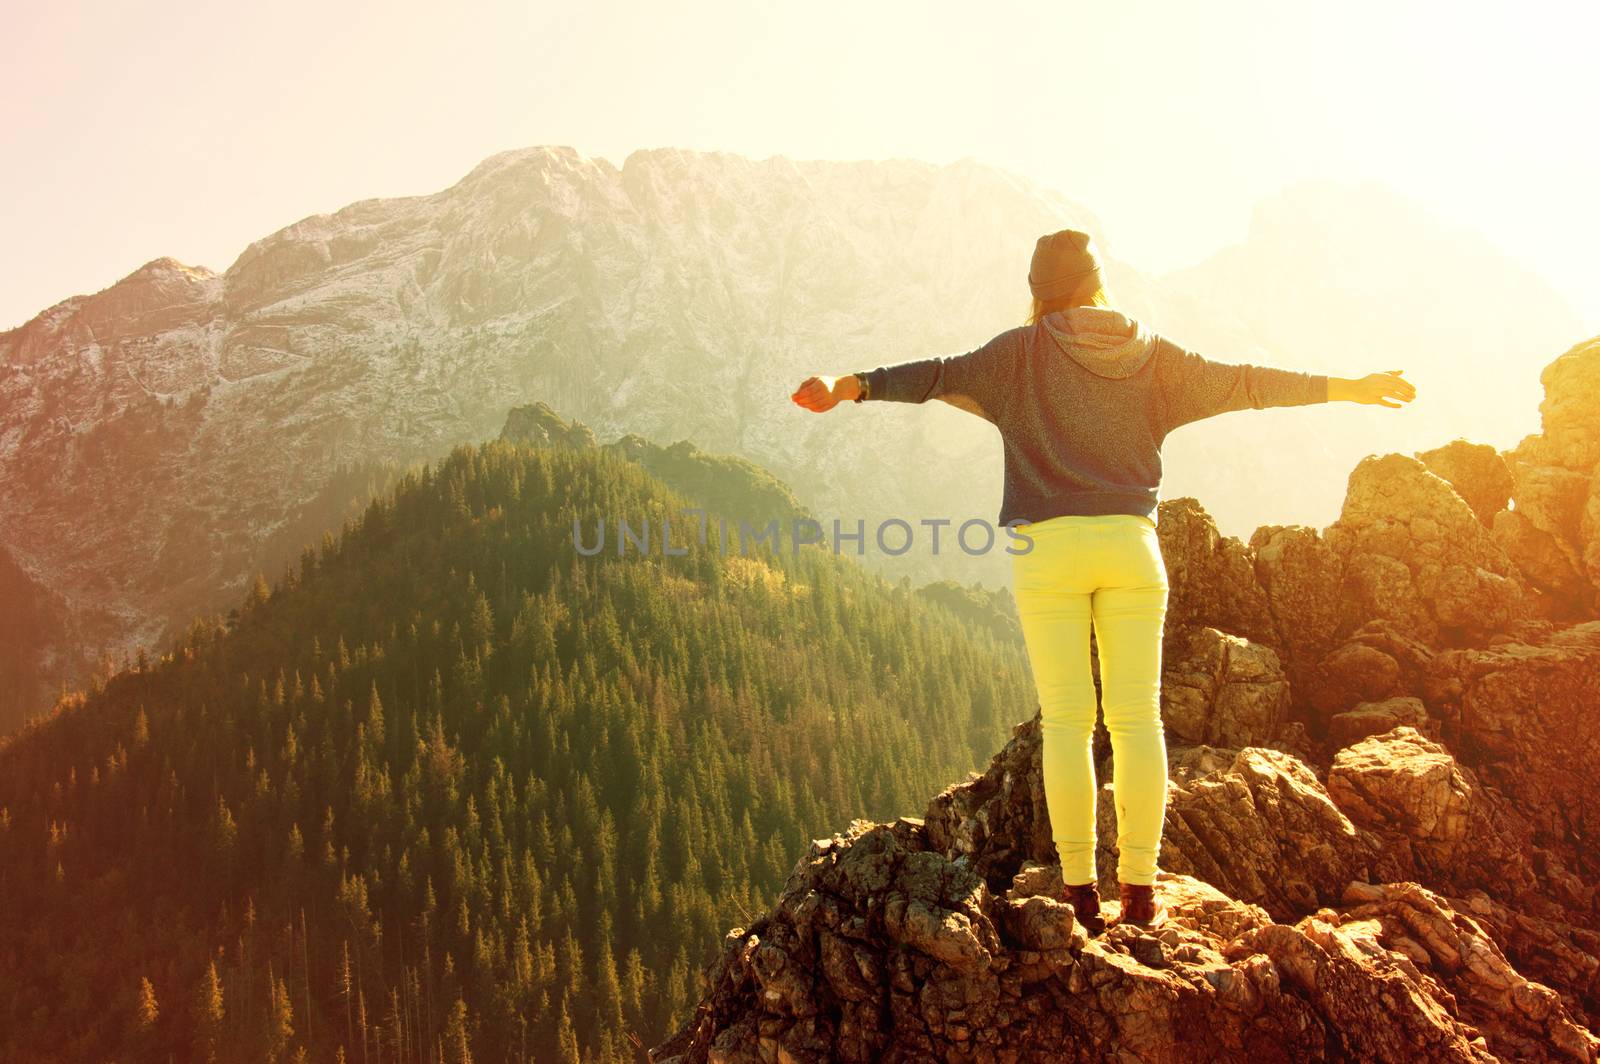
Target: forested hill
<point>452,790</point>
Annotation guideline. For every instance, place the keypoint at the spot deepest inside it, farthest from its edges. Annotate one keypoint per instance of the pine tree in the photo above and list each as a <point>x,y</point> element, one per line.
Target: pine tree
<point>209,1014</point>
<point>260,593</point>
<point>375,721</point>
<point>456,1043</point>
<point>346,985</point>
<point>566,1038</point>
<point>224,838</point>
<point>675,994</point>
<point>280,1016</point>
<point>607,990</point>
<point>146,1012</point>
<point>634,989</point>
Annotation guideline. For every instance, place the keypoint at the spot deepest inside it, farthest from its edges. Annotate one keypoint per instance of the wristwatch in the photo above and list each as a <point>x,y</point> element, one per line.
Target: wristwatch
<point>863,386</point>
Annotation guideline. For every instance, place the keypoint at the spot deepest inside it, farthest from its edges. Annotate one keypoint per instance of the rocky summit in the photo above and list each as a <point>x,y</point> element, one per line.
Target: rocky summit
<point>1381,807</point>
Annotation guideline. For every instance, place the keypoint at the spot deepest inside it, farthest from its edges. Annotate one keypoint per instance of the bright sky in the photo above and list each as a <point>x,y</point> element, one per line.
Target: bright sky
<point>135,130</point>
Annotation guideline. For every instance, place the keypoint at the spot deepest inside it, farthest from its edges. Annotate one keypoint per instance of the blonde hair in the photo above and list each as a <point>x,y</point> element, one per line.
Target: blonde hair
<point>1041,307</point>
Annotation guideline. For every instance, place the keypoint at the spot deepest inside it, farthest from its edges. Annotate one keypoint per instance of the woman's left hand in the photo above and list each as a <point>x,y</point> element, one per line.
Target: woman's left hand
<point>821,394</point>
<point>1376,389</point>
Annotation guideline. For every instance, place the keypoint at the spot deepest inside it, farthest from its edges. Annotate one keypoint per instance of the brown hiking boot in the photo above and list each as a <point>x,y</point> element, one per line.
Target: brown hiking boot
<point>1140,906</point>
<point>1085,902</point>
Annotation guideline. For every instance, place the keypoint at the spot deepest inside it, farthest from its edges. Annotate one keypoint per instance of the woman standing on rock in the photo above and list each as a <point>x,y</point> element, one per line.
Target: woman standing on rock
<point>1083,397</point>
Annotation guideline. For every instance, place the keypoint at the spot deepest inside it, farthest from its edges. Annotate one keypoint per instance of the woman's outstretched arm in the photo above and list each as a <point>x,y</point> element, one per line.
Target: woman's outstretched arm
<point>978,381</point>
<point>1191,387</point>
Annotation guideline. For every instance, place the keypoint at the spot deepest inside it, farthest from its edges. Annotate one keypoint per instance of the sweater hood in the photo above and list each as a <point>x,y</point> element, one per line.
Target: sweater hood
<point>1103,341</point>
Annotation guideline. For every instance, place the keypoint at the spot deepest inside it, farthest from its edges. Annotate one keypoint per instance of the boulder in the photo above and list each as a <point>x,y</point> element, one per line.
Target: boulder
<point>1264,831</point>
<point>1376,662</point>
<point>1375,718</point>
<point>1569,413</point>
<point>1553,951</point>
<point>1212,576</point>
<point>1550,496</point>
<point>1404,976</point>
<point>1301,577</point>
<point>1556,490</point>
<point>1223,690</point>
<point>1521,715</point>
<point>1476,471</point>
<point>1445,828</point>
<point>1416,555</point>
<point>1550,567</point>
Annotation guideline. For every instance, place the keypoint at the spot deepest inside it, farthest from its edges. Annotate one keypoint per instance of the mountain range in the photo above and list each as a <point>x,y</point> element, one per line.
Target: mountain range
<point>167,439</point>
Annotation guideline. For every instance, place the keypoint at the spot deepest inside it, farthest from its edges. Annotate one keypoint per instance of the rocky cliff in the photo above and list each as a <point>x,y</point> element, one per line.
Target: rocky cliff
<point>1379,837</point>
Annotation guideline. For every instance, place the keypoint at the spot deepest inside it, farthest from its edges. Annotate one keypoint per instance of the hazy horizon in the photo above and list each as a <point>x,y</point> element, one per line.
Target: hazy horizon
<point>205,147</point>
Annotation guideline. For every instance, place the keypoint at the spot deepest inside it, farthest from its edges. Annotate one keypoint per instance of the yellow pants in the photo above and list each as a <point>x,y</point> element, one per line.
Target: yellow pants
<point>1104,569</point>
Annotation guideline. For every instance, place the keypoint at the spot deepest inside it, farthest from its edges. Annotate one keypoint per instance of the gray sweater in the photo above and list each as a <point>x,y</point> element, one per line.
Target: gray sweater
<point>1083,400</point>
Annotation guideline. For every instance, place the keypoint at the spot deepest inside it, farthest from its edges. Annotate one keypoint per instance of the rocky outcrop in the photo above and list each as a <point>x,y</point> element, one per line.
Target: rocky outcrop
<point>1548,564</point>
<point>1443,827</point>
<point>1562,955</point>
<point>538,424</point>
<point>997,820</point>
<point>1375,662</point>
<point>1400,974</point>
<point>1437,823</point>
<point>1552,532</point>
<point>1212,576</point>
<point>1416,555</point>
<point>1476,471</point>
<point>1223,691</point>
<point>1264,830</point>
<point>944,939</point>
<point>1569,415</point>
<point>1299,928</point>
<point>1451,547</point>
<point>1522,715</point>
<point>1300,576</point>
<point>1375,718</point>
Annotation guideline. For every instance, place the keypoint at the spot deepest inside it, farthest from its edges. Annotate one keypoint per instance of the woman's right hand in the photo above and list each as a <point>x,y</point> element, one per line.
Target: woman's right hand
<point>819,394</point>
<point>1374,388</point>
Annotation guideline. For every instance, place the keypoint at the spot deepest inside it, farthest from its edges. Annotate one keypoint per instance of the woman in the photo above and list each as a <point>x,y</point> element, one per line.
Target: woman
<point>1083,397</point>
